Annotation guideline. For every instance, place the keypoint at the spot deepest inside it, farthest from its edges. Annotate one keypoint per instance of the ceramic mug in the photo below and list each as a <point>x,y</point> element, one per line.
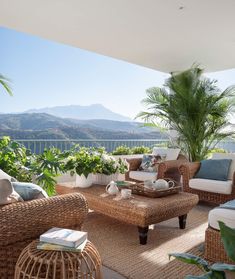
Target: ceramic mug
<point>126,193</point>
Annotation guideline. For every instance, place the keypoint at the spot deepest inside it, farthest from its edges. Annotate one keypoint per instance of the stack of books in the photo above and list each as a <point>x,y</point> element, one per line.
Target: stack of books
<point>59,239</point>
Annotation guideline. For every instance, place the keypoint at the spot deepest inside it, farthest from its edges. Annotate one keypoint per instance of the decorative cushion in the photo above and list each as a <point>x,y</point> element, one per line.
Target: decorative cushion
<point>7,193</point>
<point>214,169</point>
<point>227,156</point>
<point>150,163</point>
<point>213,186</point>
<point>166,153</point>
<point>4,175</point>
<point>142,175</point>
<point>29,191</point>
<point>221,214</point>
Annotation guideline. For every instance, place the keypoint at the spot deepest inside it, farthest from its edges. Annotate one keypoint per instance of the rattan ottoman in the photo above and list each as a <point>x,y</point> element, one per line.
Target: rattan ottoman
<point>40,264</point>
<point>139,211</point>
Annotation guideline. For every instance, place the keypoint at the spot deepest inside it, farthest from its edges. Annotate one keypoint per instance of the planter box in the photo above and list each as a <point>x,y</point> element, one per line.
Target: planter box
<point>104,179</point>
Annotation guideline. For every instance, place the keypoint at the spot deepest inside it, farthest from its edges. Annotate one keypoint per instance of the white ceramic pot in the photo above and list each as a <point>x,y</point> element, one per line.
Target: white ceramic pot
<point>82,181</point>
<point>104,179</point>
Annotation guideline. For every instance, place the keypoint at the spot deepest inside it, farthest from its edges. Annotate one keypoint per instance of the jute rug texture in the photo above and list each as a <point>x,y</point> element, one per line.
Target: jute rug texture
<point>119,248</point>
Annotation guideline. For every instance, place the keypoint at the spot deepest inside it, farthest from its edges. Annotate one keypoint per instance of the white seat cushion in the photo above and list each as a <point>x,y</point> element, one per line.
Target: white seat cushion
<point>143,175</point>
<point>213,186</point>
<point>227,156</point>
<point>221,214</point>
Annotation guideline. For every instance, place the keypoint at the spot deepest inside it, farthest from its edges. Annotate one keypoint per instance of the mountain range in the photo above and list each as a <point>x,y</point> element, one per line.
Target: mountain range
<point>95,111</point>
<point>46,126</point>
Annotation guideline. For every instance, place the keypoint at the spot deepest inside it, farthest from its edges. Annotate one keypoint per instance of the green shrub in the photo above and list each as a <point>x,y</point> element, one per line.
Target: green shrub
<point>122,150</point>
<point>21,164</point>
<point>15,159</point>
<point>140,150</point>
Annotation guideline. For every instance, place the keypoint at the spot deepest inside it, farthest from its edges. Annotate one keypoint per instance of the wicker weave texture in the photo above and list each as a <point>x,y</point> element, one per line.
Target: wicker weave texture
<point>139,210</point>
<point>214,249</point>
<point>20,223</point>
<point>41,264</point>
<point>168,169</point>
<point>188,171</point>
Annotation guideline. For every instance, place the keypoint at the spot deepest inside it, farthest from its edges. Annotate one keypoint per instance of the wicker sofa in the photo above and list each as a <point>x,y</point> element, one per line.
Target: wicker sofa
<point>22,222</point>
<point>166,169</point>
<point>188,170</point>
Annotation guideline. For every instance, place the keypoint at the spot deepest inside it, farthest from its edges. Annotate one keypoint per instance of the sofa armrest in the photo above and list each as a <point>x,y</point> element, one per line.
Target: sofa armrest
<point>28,220</point>
<point>188,170</point>
<point>134,164</point>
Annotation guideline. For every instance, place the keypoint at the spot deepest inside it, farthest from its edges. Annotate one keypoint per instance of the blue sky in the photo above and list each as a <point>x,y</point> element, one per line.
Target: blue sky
<point>45,74</point>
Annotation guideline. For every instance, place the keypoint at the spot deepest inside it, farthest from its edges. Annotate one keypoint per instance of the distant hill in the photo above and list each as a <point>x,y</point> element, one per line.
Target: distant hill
<point>45,126</point>
<point>96,111</point>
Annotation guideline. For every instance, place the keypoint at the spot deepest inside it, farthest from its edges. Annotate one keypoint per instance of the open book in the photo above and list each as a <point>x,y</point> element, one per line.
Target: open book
<point>64,237</point>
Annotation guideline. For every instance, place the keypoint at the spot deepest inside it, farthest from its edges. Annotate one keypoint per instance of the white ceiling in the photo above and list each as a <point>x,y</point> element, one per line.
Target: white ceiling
<point>165,35</point>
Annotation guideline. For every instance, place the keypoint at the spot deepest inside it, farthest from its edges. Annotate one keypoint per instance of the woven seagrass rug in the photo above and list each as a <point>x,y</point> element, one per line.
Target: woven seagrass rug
<point>118,245</point>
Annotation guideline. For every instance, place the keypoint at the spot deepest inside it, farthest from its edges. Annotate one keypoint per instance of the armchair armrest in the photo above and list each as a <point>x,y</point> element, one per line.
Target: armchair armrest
<point>134,164</point>
<point>170,169</point>
<point>188,170</point>
<point>28,220</point>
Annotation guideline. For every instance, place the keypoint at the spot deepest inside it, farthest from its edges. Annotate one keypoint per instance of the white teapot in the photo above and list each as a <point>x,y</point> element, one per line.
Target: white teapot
<point>112,188</point>
<point>161,184</point>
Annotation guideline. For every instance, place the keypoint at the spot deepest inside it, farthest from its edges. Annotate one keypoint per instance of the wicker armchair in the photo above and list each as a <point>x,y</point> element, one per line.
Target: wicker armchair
<point>188,171</point>
<point>22,222</point>
<point>167,169</point>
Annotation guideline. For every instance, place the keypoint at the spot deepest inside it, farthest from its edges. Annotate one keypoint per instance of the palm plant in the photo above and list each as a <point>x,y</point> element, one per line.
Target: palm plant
<point>194,107</point>
<point>5,83</point>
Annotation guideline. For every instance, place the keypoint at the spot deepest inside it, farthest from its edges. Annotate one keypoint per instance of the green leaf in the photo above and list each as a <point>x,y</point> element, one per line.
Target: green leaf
<point>191,259</point>
<point>228,239</point>
<point>223,267</point>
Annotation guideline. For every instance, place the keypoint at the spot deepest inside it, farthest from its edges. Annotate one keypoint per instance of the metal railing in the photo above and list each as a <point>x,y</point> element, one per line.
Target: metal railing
<point>38,145</point>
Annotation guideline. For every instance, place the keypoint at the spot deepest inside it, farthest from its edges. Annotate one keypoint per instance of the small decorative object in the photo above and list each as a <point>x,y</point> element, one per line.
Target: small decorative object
<point>112,188</point>
<point>126,193</point>
<point>161,184</point>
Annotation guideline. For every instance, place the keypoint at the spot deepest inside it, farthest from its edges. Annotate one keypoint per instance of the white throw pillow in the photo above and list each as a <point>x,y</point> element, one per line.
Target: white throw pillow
<point>227,156</point>
<point>168,153</point>
<point>7,193</point>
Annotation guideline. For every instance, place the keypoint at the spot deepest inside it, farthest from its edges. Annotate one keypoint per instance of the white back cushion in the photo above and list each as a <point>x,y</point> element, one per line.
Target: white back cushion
<point>171,153</point>
<point>213,186</point>
<point>227,156</point>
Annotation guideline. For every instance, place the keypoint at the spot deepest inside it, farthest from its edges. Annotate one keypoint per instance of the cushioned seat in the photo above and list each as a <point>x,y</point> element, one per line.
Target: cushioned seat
<point>221,214</point>
<point>143,175</point>
<point>213,186</point>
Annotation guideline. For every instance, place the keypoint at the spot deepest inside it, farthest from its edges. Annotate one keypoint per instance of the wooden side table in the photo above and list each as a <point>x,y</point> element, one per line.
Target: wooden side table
<point>42,264</point>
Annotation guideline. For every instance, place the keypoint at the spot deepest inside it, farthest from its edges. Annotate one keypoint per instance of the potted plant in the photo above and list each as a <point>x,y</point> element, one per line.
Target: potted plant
<point>83,162</point>
<point>109,168</point>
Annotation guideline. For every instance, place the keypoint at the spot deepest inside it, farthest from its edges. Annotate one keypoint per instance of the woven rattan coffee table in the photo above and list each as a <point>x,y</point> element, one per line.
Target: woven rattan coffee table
<point>139,210</point>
